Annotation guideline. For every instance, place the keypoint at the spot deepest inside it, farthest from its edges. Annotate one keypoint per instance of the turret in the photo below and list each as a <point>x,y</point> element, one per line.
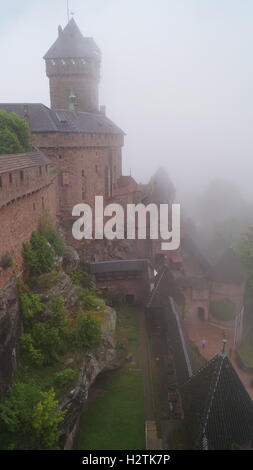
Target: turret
<point>73,69</point>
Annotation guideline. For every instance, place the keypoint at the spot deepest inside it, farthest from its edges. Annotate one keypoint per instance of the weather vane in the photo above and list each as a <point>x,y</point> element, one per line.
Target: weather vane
<point>68,10</point>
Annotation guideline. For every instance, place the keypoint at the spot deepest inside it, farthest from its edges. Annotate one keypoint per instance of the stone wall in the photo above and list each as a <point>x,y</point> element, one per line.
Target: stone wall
<point>19,219</point>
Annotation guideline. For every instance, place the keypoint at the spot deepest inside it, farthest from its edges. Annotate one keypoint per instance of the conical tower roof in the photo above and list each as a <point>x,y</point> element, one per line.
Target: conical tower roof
<point>71,44</point>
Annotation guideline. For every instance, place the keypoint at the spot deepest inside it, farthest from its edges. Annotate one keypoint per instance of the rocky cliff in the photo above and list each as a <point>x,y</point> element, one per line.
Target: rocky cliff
<point>10,328</point>
<point>100,359</point>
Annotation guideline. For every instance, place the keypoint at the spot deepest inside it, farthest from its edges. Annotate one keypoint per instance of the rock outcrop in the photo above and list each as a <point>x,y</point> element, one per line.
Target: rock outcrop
<point>100,359</point>
<point>10,329</point>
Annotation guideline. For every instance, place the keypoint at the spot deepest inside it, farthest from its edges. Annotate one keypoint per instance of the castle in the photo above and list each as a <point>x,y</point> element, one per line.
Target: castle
<point>78,155</point>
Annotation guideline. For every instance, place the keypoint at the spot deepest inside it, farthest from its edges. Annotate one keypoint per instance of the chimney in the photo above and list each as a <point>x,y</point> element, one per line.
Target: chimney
<point>59,30</point>
<point>103,110</point>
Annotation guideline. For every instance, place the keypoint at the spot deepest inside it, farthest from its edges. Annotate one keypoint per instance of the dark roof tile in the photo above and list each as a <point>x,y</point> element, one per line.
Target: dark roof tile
<point>43,119</point>
<point>12,162</point>
<point>72,44</point>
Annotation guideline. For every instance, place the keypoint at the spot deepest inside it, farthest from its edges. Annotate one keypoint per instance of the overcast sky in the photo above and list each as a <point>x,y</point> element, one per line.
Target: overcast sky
<point>177,77</point>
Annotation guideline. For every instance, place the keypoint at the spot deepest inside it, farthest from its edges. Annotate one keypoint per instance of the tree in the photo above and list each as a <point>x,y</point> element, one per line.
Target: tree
<point>31,417</point>
<point>245,251</point>
<point>15,136</point>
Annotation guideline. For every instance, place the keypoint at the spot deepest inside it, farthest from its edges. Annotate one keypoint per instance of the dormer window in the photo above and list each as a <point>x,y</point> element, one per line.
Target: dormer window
<point>53,62</point>
<point>83,61</point>
<point>63,62</point>
<point>73,61</point>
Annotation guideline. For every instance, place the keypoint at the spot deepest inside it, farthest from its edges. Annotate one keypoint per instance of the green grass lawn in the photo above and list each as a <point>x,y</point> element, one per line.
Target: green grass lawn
<point>115,418</point>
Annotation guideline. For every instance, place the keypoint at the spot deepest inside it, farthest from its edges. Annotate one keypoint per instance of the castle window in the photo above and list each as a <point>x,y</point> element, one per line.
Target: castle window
<point>46,168</point>
<point>83,195</point>
<point>1,184</point>
<point>34,206</point>
<point>43,203</point>
<point>82,172</point>
<point>96,169</point>
<point>21,176</point>
<point>60,157</point>
<point>40,171</point>
<point>10,178</point>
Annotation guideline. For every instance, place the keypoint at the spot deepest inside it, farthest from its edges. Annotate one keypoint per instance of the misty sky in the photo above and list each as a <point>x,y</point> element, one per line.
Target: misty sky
<point>177,77</point>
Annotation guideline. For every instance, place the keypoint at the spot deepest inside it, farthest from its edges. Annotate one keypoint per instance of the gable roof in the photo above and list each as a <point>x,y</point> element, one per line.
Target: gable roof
<point>12,162</point>
<point>43,119</point>
<point>72,44</point>
<point>228,269</point>
<point>218,410</point>
<point>119,266</point>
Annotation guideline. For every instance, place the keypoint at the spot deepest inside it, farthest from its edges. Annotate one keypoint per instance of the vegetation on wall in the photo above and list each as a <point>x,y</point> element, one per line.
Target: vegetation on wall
<point>47,230</point>
<point>223,310</point>
<point>38,255</point>
<point>15,136</point>
<point>53,338</point>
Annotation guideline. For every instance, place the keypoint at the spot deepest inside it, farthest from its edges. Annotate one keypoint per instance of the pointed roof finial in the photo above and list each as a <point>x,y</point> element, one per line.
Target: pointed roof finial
<point>68,16</point>
<point>224,341</point>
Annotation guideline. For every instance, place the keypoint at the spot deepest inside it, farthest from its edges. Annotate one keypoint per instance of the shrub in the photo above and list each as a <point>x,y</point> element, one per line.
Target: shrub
<point>31,305</point>
<point>47,230</point>
<point>38,255</point>
<point>14,134</point>
<point>47,339</point>
<point>88,298</point>
<point>31,417</point>
<point>34,355</point>
<point>64,377</point>
<point>87,332</point>
<point>58,314</point>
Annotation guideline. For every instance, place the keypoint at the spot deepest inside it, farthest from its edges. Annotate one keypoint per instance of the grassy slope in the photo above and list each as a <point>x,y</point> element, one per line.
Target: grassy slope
<point>115,420</point>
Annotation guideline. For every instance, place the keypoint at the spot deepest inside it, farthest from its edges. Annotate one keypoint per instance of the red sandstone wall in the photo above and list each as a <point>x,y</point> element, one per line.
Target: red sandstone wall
<point>19,219</point>
<point>83,161</point>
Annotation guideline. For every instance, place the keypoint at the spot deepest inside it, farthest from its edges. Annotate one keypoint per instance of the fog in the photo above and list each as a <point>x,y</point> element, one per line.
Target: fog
<point>176,77</point>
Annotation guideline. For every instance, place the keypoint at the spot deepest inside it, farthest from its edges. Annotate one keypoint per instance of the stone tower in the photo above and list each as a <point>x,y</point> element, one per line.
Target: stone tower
<point>73,69</point>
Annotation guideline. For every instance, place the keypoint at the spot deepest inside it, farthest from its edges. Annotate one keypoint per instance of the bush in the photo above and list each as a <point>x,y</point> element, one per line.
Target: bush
<point>87,332</point>
<point>223,310</point>
<point>44,338</point>
<point>31,305</point>
<point>38,255</point>
<point>34,355</point>
<point>58,314</point>
<point>64,377</point>
<point>47,230</point>
<point>14,134</point>
<point>88,298</point>
<point>31,417</point>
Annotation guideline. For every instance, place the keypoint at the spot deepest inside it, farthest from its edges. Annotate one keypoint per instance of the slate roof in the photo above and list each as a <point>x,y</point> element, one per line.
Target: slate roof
<point>19,161</point>
<point>43,119</point>
<point>218,410</point>
<point>119,266</point>
<point>228,269</point>
<point>71,44</point>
